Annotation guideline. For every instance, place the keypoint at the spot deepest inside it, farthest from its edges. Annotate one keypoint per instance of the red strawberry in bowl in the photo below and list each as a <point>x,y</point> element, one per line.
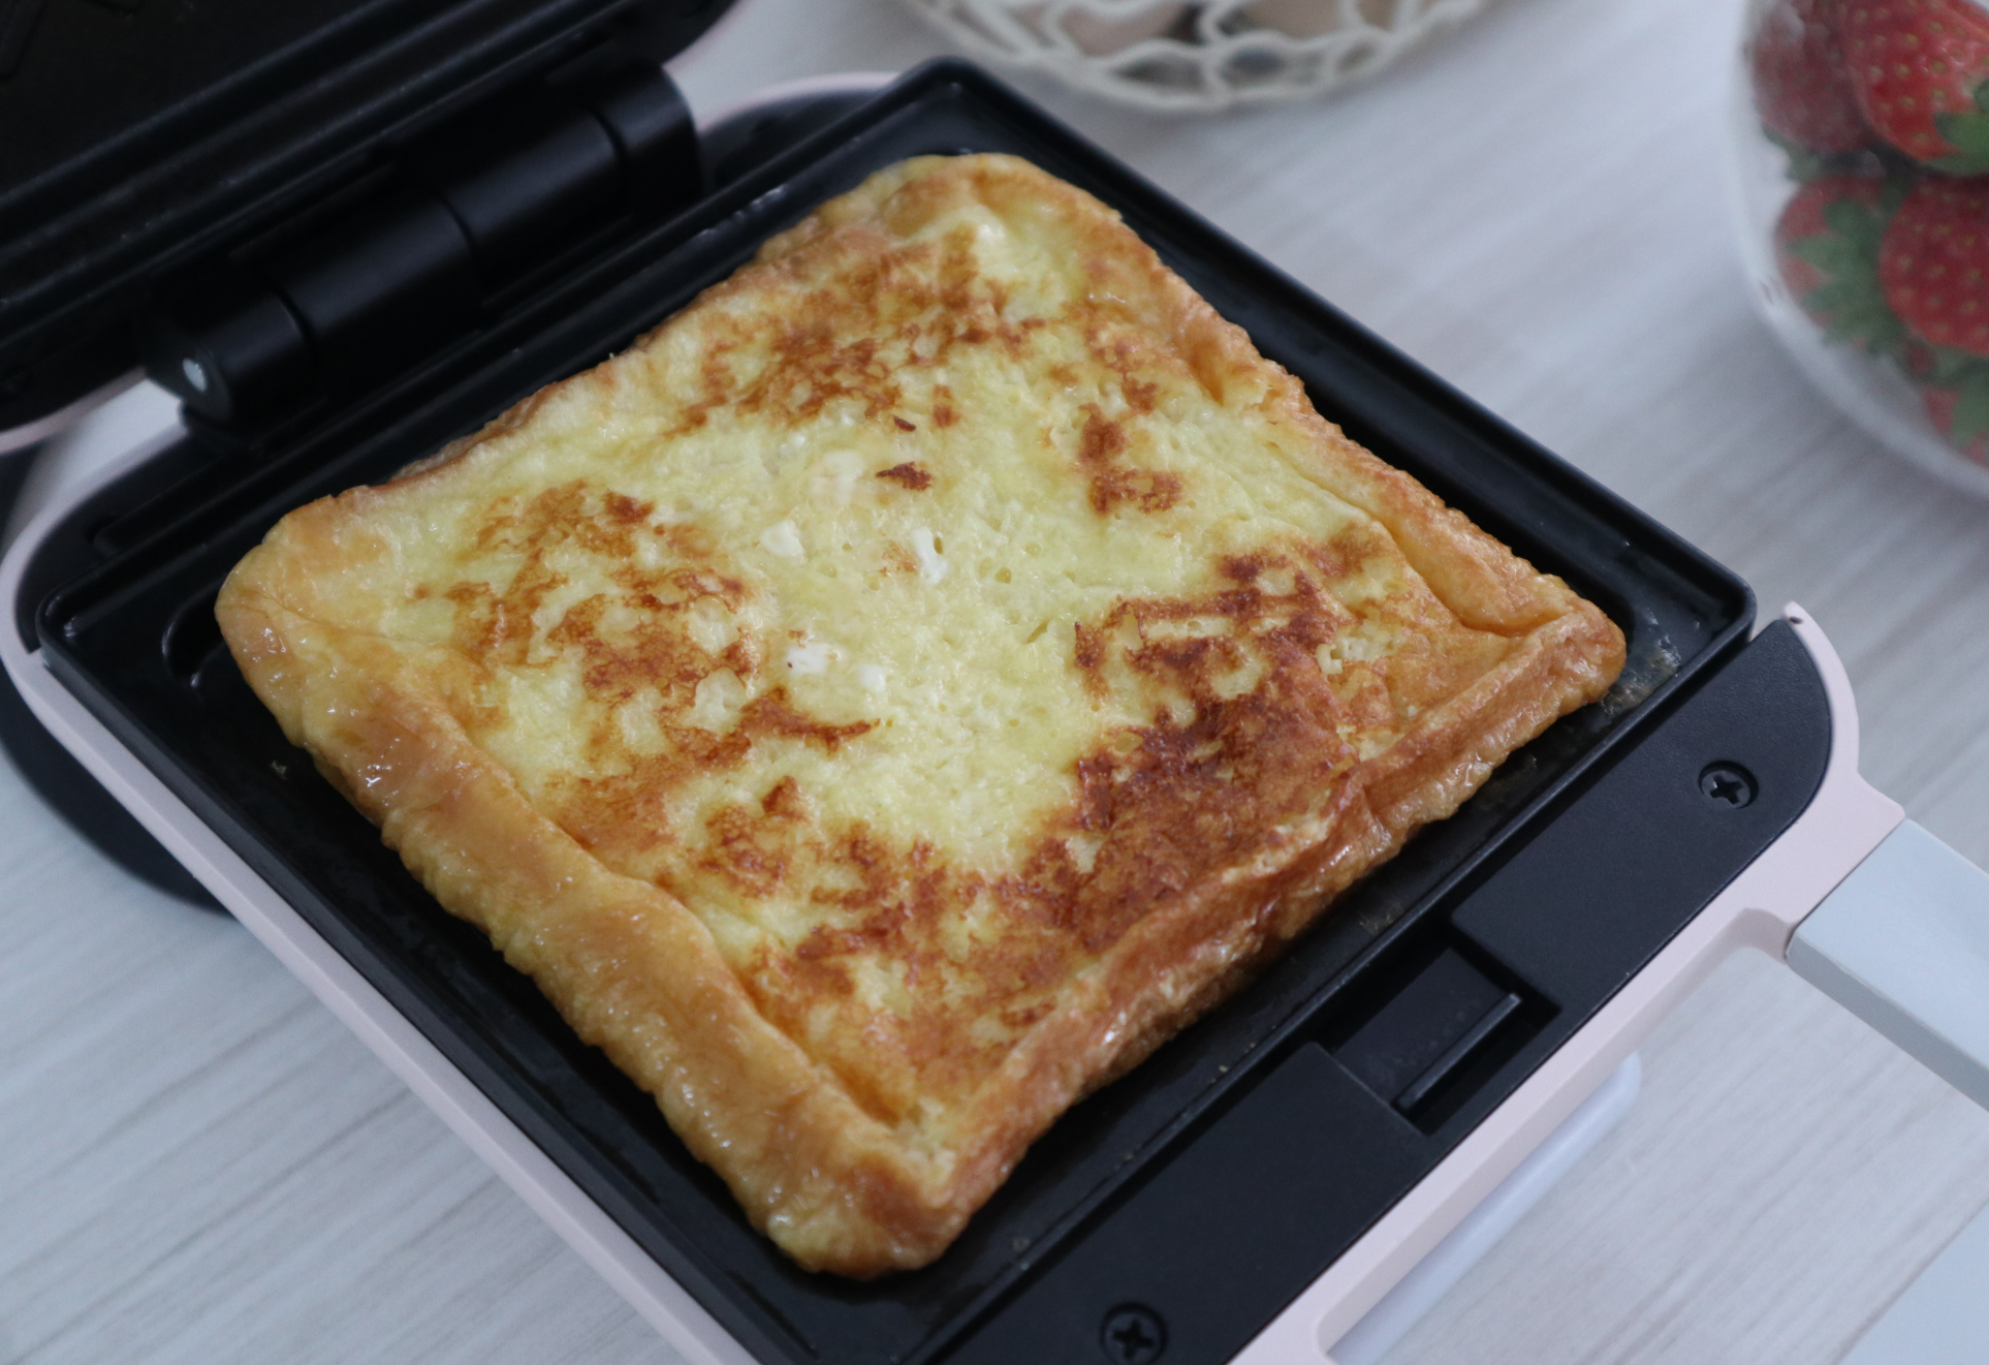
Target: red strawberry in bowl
<point>1960,412</point>
<point>1827,244</point>
<point>1933,263</point>
<point>1878,112</point>
<point>1802,88</point>
<point>1919,69</point>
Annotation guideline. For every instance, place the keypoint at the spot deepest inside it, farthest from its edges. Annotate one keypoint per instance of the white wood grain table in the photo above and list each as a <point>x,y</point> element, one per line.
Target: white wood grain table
<point>198,1165</point>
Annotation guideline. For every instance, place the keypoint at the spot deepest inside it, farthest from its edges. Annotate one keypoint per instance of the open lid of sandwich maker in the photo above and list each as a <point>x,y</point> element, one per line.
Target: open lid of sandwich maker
<point>147,145</point>
<point>171,173</point>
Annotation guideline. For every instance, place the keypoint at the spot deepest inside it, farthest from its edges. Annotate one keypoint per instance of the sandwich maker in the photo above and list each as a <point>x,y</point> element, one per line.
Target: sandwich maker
<point>341,234</point>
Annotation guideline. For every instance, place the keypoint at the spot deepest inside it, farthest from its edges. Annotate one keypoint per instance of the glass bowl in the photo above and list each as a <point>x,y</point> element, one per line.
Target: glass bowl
<point>1862,156</point>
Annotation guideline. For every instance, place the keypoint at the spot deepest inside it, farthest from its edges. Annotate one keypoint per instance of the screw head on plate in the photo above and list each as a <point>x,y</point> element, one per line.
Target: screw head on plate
<point>1727,783</point>
<point>1133,1335</point>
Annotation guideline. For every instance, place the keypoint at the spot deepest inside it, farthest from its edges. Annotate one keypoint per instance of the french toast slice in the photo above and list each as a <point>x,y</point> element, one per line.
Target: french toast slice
<point>904,688</point>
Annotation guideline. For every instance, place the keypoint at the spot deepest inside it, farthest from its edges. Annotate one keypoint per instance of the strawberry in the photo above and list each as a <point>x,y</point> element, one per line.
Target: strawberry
<point>1827,244</point>
<point>1933,263</point>
<point>1919,69</point>
<point>1802,88</point>
<point>1960,412</point>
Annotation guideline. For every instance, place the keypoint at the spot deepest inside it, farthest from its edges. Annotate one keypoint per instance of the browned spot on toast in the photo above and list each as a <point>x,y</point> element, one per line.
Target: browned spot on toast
<point>747,850</point>
<point>773,716</point>
<point>902,311</point>
<point>1101,446</point>
<point>784,801</point>
<point>910,475</point>
<point>1088,654</point>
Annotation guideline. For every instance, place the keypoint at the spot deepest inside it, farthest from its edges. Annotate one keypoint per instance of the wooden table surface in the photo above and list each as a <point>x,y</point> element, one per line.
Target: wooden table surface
<point>197,1164</point>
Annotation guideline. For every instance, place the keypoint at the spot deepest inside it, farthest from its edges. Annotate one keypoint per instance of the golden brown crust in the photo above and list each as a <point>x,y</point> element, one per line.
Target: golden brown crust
<point>1219,829</point>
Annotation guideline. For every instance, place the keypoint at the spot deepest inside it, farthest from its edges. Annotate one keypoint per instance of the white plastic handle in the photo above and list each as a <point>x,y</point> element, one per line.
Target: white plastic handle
<point>1903,943</point>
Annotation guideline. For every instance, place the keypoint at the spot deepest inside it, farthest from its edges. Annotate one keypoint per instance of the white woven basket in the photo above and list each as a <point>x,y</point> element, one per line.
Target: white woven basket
<point>1197,54</point>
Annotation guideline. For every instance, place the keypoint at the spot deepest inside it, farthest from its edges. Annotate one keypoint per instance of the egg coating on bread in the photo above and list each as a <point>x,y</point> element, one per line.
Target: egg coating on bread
<point>896,694</point>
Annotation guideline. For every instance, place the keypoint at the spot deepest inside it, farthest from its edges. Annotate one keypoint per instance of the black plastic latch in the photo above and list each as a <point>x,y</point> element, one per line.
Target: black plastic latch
<point>467,212</point>
<point>1423,1035</point>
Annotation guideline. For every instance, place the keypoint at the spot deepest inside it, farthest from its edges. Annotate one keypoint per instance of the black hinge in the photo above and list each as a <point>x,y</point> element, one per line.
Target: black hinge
<point>424,251</point>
